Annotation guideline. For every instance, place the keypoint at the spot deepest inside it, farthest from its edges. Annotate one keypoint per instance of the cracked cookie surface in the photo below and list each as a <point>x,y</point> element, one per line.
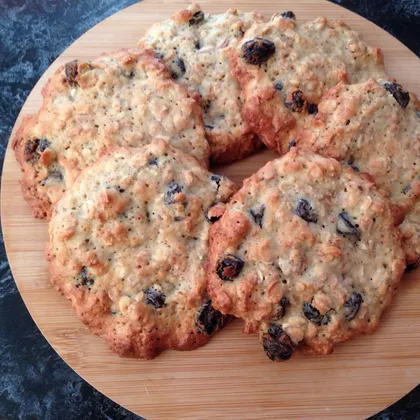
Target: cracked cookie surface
<point>306,252</point>
<point>284,68</point>
<point>125,98</point>
<point>128,244</point>
<point>195,46</point>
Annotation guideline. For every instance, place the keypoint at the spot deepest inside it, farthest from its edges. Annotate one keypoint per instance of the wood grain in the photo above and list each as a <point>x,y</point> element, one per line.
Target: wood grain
<point>230,377</point>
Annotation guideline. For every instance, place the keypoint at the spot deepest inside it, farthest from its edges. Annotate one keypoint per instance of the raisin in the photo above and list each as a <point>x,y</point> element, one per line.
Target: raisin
<point>411,266</point>
<point>217,179</point>
<point>178,218</point>
<point>177,68</point>
<point>277,344</point>
<point>297,103</point>
<point>209,127</point>
<point>153,161</point>
<point>213,214</point>
<point>418,114</point>
<point>346,227</point>
<point>197,45</point>
<point>209,319</point>
<point>71,71</point>
<point>279,85</point>
<point>43,144</point>
<point>154,297</point>
<point>312,313</point>
<point>172,189</point>
<point>257,214</point>
<point>281,309</point>
<point>292,143</point>
<point>352,305</point>
<point>229,267</point>
<point>84,279</point>
<point>197,18</point>
<point>289,15</point>
<point>399,94</point>
<point>312,108</point>
<point>258,50</point>
<point>306,211</point>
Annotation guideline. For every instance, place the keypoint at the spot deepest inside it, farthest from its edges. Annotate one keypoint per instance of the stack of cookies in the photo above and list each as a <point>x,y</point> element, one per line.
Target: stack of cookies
<point>156,252</point>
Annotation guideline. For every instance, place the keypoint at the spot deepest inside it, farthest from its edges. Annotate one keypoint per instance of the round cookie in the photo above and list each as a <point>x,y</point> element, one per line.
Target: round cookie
<point>375,128</point>
<point>284,68</point>
<point>125,98</point>
<point>195,46</point>
<point>128,244</point>
<point>306,251</point>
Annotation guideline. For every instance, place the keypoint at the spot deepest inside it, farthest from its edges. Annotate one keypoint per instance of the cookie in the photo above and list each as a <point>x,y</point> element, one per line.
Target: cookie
<point>410,229</point>
<point>375,127</point>
<point>125,98</point>
<point>195,46</point>
<point>306,252</point>
<point>128,244</point>
<point>284,68</point>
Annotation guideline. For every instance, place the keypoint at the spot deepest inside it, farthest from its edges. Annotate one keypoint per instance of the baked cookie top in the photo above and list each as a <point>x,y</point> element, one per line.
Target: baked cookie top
<point>284,68</point>
<point>195,46</point>
<point>125,98</point>
<point>306,250</point>
<point>128,242</point>
<point>375,128</point>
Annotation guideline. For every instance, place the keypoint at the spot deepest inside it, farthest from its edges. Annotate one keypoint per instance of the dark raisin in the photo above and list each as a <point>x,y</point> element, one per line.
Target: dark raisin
<point>178,218</point>
<point>171,190</point>
<point>154,297</point>
<point>209,127</point>
<point>418,113</point>
<point>346,227</point>
<point>209,319</point>
<point>277,344</point>
<point>257,214</point>
<point>213,214</point>
<point>289,15</point>
<point>158,55</point>
<point>197,45</point>
<point>312,108</point>
<point>229,267</point>
<point>71,70</point>
<point>281,308</point>
<point>216,179</point>
<point>279,85</point>
<point>399,94</point>
<point>31,146</point>
<point>258,50</point>
<point>43,144</point>
<point>177,68</point>
<point>312,313</point>
<point>292,143</point>
<point>306,211</point>
<point>121,190</point>
<point>84,279</point>
<point>352,305</point>
<point>411,266</point>
<point>153,160</point>
<point>197,18</point>
<point>297,103</point>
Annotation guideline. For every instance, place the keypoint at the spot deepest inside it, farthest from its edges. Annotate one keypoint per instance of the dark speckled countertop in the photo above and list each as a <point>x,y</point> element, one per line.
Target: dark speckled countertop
<point>34,381</point>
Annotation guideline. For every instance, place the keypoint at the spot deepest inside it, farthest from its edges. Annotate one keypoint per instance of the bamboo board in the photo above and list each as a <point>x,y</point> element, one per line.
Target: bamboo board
<point>230,377</point>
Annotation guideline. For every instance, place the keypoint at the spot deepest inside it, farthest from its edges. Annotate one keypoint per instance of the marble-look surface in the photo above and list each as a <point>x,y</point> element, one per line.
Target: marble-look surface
<point>34,381</point>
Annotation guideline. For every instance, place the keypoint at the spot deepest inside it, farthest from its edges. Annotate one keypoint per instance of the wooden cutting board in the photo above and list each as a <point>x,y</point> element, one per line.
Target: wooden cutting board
<point>231,377</point>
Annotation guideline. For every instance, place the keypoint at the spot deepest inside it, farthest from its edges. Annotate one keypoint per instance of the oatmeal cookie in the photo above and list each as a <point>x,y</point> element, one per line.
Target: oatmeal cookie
<point>195,46</point>
<point>284,68</point>
<point>128,244</point>
<point>375,127</point>
<point>125,98</point>
<point>306,252</point>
